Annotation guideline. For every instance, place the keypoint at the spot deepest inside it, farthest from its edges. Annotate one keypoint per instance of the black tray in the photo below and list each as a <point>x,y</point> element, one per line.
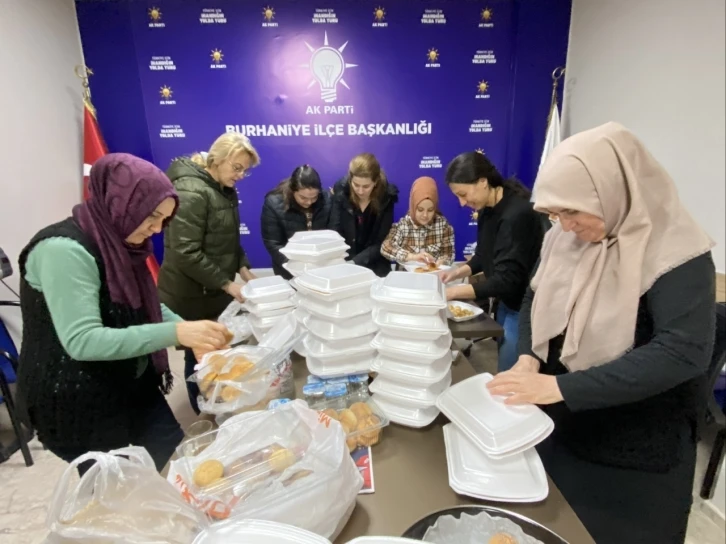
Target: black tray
<point>530,527</point>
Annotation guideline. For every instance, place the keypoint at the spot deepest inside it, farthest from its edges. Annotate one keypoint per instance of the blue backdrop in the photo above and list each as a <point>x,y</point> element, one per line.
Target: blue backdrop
<point>414,82</point>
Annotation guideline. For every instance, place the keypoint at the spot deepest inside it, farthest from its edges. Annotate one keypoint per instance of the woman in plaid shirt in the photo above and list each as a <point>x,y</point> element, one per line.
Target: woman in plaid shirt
<point>423,235</point>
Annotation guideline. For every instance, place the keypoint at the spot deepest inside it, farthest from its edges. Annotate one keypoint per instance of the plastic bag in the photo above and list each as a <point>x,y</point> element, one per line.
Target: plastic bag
<point>120,499</point>
<point>289,465</point>
<point>238,379</point>
<point>237,324</point>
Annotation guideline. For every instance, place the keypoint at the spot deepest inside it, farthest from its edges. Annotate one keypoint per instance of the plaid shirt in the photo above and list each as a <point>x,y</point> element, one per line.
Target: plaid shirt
<point>437,239</point>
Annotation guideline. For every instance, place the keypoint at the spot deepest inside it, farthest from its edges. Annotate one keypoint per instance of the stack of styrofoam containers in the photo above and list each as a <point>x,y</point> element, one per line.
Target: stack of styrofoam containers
<point>414,347</point>
<point>311,249</point>
<point>269,299</point>
<point>339,321</point>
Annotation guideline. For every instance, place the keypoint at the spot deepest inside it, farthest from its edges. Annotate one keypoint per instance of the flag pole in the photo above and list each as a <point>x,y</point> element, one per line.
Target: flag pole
<point>83,72</point>
<point>557,74</point>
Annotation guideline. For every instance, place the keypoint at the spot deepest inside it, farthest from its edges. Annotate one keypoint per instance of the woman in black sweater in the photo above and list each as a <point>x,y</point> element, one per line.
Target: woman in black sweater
<point>362,212</point>
<point>615,337</point>
<point>509,238</point>
<point>297,204</point>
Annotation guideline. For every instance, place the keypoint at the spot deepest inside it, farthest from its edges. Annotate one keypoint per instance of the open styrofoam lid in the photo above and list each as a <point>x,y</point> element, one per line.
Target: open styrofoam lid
<point>267,286</point>
<point>314,245</point>
<point>336,278</point>
<point>492,425</point>
<point>405,288</point>
<point>252,531</point>
<point>305,234</point>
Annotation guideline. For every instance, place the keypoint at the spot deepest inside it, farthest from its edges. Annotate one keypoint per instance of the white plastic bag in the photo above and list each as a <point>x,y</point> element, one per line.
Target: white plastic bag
<point>316,491</point>
<point>120,499</point>
<point>238,325</point>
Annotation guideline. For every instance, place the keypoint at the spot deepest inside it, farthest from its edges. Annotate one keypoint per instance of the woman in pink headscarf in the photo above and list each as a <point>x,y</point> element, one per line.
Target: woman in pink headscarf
<point>93,365</point>
<point>616,333</point>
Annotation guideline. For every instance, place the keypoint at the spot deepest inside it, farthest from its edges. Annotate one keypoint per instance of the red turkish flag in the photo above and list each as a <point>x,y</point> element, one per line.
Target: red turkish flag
<point>93,149</point>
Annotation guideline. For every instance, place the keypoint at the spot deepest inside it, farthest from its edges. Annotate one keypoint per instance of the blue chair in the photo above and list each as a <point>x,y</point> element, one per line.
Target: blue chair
<point>8,375</point>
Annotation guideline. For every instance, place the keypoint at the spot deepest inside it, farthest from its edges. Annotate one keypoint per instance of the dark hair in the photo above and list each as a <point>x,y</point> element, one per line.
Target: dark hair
<point>470,167</point>
<point>365,165</point>
<point>303,177</point>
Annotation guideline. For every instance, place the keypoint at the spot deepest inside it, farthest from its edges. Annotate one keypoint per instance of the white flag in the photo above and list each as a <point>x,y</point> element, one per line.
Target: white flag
<point>551,140</point>
<point>553,135</point>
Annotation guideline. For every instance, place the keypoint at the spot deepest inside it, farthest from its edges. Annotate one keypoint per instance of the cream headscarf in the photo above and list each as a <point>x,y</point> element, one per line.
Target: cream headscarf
<point>592,291</point>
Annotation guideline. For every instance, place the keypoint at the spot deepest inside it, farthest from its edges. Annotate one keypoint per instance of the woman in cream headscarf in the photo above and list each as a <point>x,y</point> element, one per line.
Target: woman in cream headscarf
<point>423,235</point>
<point>621,333</point>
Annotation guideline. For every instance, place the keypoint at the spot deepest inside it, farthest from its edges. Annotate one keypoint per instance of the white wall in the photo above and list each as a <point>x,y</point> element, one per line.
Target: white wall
<point>41,127</point>
<point>657,67</point>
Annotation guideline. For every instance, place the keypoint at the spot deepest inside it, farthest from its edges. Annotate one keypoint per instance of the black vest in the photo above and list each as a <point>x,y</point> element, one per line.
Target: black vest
<point>71,404</point>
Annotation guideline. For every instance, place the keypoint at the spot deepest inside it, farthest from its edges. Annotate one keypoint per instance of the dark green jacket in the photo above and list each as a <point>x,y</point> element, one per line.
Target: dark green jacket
<point>202,249</point>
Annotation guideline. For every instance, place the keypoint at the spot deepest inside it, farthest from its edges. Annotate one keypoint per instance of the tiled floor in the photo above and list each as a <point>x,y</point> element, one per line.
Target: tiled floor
<point>26,492</point>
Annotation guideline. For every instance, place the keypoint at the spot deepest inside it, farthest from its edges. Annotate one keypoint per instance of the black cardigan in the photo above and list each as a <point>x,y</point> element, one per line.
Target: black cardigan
<point>342,219</point>
<point>634,411</point>
<point>509,240</point>
<point>279,224</point>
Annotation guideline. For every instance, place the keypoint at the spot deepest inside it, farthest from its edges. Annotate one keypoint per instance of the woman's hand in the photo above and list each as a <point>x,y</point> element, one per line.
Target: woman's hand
<point>454,273</point>
<point>460,292</point>
<point>203,336</point>
<point>235,291</point>
<point>525,386</point>
<point>422,257</point>
<point>526,363</point>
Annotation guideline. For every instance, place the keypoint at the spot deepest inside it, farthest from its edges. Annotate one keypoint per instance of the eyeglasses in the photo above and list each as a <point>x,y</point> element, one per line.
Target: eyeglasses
<point>239,169</point>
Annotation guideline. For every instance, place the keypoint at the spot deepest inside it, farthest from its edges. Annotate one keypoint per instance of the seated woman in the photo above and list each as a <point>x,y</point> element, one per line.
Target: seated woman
<point>362,212</point>
<point>616,334</point>
<point>298,203</point>
<point>202,251</point>
<point>509,238</point>
<point>93,364</point>
<point>422,235</point>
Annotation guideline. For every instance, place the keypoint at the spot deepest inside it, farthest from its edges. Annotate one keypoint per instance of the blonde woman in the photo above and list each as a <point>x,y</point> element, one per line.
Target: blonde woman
<point>202,251</point>
<point>362,212</point>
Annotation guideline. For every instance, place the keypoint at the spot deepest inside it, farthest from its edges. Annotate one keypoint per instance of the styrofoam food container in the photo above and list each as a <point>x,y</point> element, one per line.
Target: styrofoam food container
<point>413,373</point>
<point>405,415</point>
<point>314,249</point>
<point>417,327</point>
<point>352,364</point>
<point>354,327</point>
<point>262,307</point>
<point>412,266</point>
<point>477,311</point>
<point>305,234</point>
<point>421,290</point>
<point>334,279</point>
<point>421,352</point>
<point>496,428</point>
<point>517,478</point>
<point>415,396</point>
<point>272,313</point>
<point>298,268</point>
<point>383,540</point>
<point>336,309</point>
<point>300,314</point>
<point>265,322</point>
<point>268,289</point>
<point>338,352</point>
<point>353,291</point>
<point>257,532</point>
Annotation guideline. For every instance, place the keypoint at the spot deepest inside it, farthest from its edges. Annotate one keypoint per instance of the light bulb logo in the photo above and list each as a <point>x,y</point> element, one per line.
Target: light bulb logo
<point>328,66</point>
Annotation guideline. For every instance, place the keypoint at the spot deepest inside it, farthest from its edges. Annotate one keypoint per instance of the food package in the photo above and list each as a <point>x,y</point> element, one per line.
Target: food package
<point>236,322</point>
<point>361,418</point>
<point>288,465</point>
<point>239,379</point>
<point>121,498</point>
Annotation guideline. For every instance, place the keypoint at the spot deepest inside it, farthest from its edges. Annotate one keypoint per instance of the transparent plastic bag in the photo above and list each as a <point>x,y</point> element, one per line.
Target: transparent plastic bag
<point>289,465</point>
<point>237,322</point>
<point>120,499</point>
